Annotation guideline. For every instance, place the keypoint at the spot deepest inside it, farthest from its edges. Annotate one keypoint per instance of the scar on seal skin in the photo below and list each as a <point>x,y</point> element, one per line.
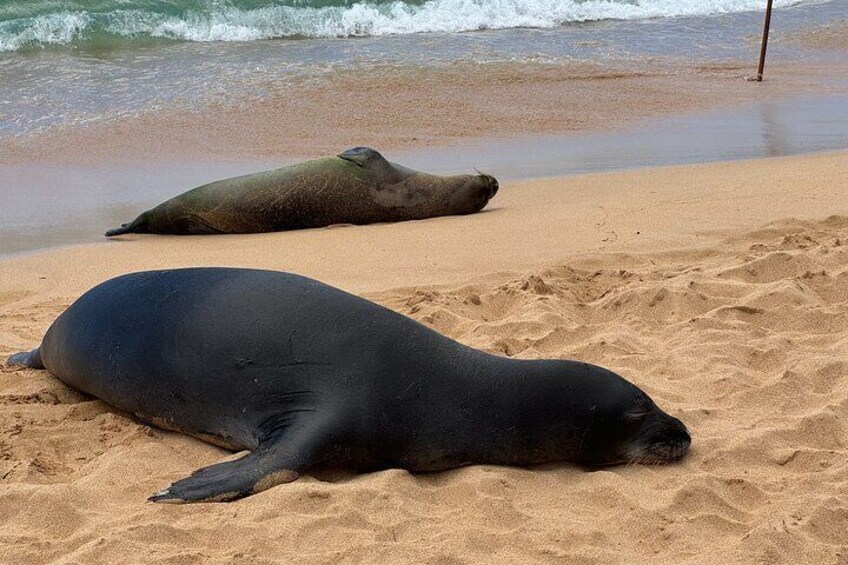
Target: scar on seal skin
<point>304,375</point>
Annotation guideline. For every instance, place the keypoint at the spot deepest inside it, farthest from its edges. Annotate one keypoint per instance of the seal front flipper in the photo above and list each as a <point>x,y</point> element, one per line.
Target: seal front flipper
<point>381,171</point>
<point>30,359</point>
<point>362,156</point>
<point>278,460</point>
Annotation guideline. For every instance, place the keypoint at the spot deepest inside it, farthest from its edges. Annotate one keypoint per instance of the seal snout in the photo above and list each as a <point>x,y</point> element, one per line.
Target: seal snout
<point>479,190</point>
<point>678,442</point>
<point>673,443</point>
<point>490,185</point>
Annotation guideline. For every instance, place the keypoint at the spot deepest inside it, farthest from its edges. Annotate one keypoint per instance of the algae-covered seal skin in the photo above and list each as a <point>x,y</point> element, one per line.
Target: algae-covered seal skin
<point>358,186</point>
<point>305,375</point>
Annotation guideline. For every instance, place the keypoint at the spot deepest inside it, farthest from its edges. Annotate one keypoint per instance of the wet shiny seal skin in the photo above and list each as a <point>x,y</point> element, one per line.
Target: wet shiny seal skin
<point>358,186</point>
<point>305,376</point>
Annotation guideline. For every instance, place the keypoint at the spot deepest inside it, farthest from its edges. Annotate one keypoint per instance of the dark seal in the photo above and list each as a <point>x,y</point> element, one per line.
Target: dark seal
<point>305,375</point>
<point>358,186</point>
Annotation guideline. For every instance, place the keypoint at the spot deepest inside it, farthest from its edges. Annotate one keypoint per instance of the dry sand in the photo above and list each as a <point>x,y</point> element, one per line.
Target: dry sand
<point>720,289</point>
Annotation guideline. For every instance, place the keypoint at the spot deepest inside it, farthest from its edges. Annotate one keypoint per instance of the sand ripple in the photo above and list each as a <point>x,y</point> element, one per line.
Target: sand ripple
<point>746,342</point>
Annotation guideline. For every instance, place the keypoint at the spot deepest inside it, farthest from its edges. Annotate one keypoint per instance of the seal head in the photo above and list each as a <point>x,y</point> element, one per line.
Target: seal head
<point>401,187</point>
<point>578,412</point>
<point>630,428</point>
<point>479,190</point>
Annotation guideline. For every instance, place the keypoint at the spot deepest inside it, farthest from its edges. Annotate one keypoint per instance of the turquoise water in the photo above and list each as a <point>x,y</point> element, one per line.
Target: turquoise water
<point>28,24</point>
<point>54,84</point>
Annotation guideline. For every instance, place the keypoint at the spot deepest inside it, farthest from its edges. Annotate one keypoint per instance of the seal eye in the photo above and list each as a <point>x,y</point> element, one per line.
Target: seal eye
<point>644,406</point>
<point>636,414</point>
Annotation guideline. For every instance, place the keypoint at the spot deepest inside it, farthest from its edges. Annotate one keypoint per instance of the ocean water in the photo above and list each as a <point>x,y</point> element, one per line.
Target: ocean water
<point>34,23</point>
<point>68,62</point>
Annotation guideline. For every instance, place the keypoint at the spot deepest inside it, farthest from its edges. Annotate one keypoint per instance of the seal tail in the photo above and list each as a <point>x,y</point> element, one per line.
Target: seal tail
<point>136,226</point>
<point>30,359</point>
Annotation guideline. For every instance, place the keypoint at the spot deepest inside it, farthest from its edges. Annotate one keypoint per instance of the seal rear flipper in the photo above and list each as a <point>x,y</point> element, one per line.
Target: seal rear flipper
<point>30,359</point>
<point>270,464</point>
<point>136,226</point>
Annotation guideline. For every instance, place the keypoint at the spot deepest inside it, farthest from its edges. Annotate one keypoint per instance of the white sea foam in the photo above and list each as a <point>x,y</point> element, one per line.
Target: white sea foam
<point>361,19</point>
<point>59,28</point>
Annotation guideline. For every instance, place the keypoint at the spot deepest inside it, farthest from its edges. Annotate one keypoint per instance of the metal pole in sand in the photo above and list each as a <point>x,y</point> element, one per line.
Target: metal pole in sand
<point>766,26</point>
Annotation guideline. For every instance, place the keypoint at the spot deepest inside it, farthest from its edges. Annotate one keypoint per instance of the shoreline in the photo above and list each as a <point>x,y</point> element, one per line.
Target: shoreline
<point>68,183</point>
<point>106,192</point>
<point>402,108</point>
<point>561,180</point>
<point>729,195</point>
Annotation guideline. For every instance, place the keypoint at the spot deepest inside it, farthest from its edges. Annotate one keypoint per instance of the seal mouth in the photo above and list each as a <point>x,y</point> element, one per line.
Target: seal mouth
<point>660,453</point>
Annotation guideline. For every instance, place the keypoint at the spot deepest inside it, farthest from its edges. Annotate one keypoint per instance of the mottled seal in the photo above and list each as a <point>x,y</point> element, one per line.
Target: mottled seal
<point>306,375</point>
<point>358,186</point>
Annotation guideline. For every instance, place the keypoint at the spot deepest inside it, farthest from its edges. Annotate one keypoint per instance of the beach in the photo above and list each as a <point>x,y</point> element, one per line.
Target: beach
<point>658,215</point>
<point>724,301</point>
<point>574,118</point>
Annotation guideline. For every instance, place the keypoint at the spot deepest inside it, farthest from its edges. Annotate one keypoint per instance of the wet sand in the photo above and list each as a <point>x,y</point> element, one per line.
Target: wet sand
<point>833,36</point>
<point>94,197</point>
<point>719,289</point>
<point>69,184</point>
<point>513,119</point>
<point>406,108</point>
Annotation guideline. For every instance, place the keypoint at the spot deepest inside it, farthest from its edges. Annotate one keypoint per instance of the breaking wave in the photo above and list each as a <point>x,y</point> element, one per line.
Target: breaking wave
<point>33,23</point>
